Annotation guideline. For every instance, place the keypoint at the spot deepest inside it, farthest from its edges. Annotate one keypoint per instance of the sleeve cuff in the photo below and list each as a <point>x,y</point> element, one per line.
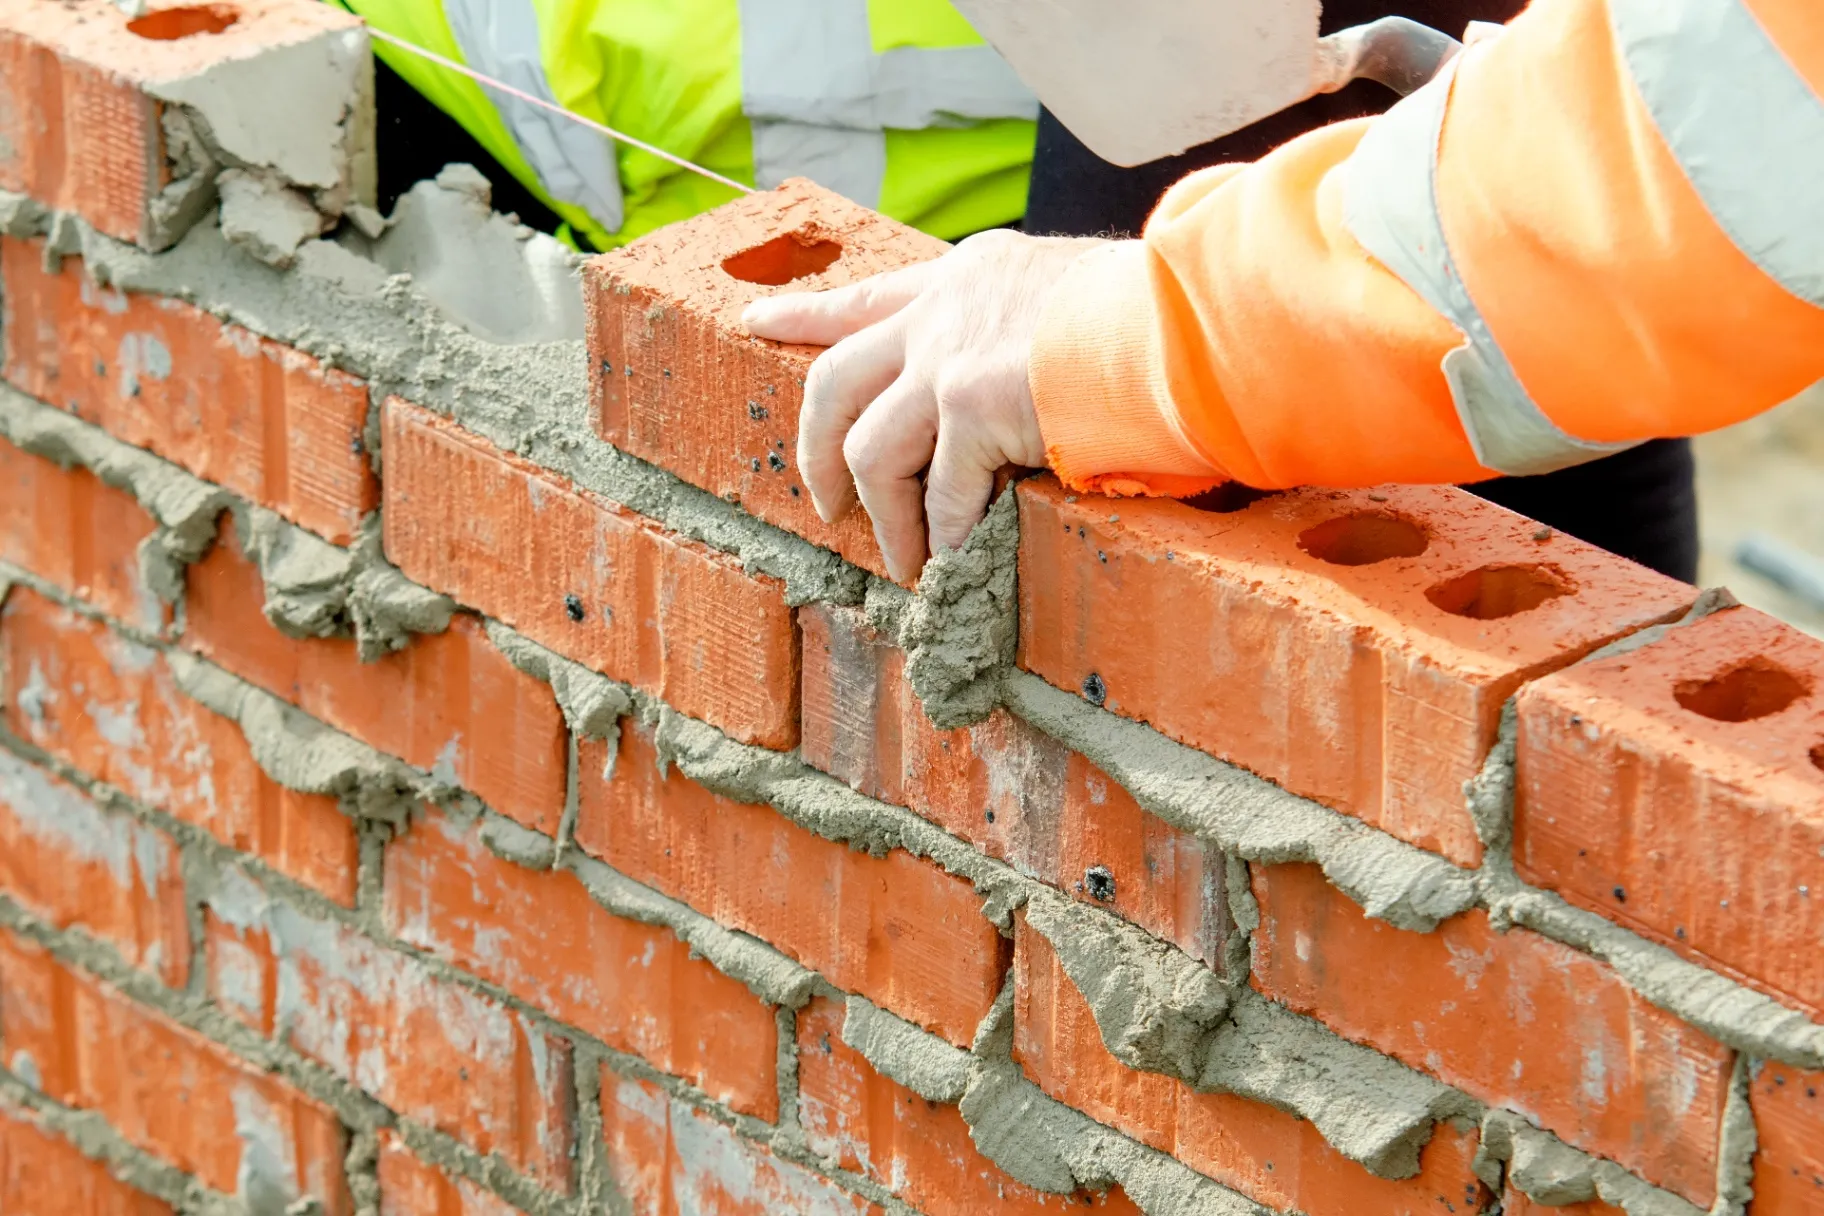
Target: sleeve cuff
<point>1094,373</point>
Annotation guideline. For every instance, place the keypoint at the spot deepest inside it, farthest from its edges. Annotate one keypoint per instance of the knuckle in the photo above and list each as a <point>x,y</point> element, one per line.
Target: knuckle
<point>861,457</point>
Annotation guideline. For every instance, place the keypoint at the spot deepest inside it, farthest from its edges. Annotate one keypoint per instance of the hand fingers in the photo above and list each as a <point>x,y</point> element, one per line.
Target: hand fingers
<point>823,318</point>
<point>959,485</point>
<point>841,383</point>
<point>885,451</point>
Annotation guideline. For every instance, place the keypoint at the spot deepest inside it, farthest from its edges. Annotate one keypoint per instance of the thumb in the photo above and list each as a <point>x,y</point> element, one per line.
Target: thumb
<point>824,318</point>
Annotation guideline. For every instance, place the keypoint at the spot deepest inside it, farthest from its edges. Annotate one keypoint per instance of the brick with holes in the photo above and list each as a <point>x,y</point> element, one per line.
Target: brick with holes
<point>539,935</point>
<point>42,1173</point>
<point>894,928</point>
<point>124,119</point>
<point>72,529</point>
<point>166,1089</point>
<point>448,703</point>
<point>1679,790</point>
<point>1352,646</point>
<point>1003,785</point>
<point>74,864</point>
<point>113,709</point>
<point>1268,1155</point>
<point>1514,1019</point>
<point>268,422</point>
<point>593,581</point>
<point>677,380</point>
<point>869,1123</point>
<point>425,1046</point>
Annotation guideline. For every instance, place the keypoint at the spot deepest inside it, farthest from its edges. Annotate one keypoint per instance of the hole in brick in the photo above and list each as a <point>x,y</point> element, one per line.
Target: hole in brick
<point>1817,757</point>
<point>1227,497</point>
<point>1742,694</point>
<point>796,255</point>
<point>1493,592</point>
<point>1362,540</point>
<point>170,24</point>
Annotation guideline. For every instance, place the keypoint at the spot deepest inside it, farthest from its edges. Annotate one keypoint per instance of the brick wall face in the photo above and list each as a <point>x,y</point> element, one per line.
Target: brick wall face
<point>572,850</point>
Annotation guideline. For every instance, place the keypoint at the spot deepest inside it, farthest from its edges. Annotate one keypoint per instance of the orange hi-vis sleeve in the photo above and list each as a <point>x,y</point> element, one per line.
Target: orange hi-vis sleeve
<point>1597,228</point>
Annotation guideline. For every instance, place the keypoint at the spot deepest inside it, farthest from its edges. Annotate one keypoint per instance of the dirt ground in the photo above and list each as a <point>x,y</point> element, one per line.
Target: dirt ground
<point>1764,475</point>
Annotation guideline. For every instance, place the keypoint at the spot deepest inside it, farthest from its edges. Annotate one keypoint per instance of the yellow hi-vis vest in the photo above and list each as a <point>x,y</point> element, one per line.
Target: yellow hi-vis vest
<point>897,104</point>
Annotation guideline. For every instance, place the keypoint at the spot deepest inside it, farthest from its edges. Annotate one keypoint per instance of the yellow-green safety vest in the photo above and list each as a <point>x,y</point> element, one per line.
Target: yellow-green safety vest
<point>897,104</point>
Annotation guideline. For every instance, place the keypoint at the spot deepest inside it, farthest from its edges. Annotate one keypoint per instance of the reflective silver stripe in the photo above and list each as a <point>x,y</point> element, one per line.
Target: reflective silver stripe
<point>1742,123</point>
<point>575,165</point>
<point>852,163</point>
<point>810,66</point>
<point>1390,206</point>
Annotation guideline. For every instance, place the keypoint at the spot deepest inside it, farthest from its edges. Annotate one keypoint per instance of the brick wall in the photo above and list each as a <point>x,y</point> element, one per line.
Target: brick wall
<point>445,776</point>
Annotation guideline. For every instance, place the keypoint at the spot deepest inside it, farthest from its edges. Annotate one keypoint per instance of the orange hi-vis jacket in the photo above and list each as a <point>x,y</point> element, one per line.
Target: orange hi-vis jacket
<point>1601,226</point>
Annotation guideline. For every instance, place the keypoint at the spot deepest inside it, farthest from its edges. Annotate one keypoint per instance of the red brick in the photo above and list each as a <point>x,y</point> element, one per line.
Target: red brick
<point>871,1125</point>
<point>1004,786</point>
<point>1275,1158</point>
<point>427,1048</point>
<point>895,929</point>
<point>164,1088</point>
<point>1789,1163</point>
<point>1344,683</point>
<point>539,935</point>
<point>1515,1019</point>
<point>410,1187</point>
<point>42,1174</point>
<point>1516,1204</point>
<point>667,1160</point>
<point>521,544</point>
<point>79,113</point>
<point>680,382</point>
<point>112,708</point>
<point>74,864</point>
<point>70,528</point>
<point>1703,834</point>
<point>449,702</point>
<point>266,421</point>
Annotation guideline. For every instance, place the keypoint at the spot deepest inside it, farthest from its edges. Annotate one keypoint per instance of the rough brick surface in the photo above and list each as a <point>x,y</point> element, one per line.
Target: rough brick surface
<point>491,1005</point>
<point>164,1088</point>
<point>81,115</point>
<point>677,379</point>
<point>541,937</point>
<point>41,1173</point>
<point>869,1124</point>
<point>111,708</point>
<point>1789,1161</point>
<point>74,864</point>
<point>1578,1051</point>
<point>1514,1203</point>
<point>1679,790</point>
<point>895,929</point>
<point>448,703</point>
<point>428,1048</point>
<point>592,581</point>
<point>71,529</point>
<point>1266,1154</point>
<point>266,421</point>
<point>1005,787</point>
<point>410,1187</point>
<point>1359,682</point>
<point>668,1160</point>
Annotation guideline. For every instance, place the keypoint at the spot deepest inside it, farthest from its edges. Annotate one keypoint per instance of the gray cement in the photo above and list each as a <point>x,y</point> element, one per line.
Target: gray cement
<point>959,630</point>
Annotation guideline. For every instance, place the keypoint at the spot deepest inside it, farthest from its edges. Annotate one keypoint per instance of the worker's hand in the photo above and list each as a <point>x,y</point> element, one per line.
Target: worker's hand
<point>928,367</point>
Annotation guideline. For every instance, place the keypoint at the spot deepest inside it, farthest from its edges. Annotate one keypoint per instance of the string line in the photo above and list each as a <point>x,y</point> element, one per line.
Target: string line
<point>542,104</point>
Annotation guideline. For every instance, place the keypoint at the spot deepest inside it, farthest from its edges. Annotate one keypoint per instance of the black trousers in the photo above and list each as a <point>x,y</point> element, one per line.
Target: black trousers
<point>1640,504</point>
